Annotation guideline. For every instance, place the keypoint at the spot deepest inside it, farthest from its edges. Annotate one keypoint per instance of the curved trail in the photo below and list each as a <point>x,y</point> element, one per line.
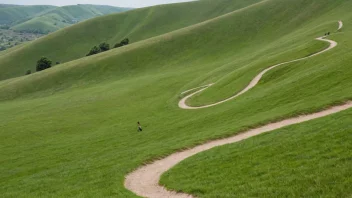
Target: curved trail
<point>145,180</point>
<point>182,104</point>
<point>340,25</point>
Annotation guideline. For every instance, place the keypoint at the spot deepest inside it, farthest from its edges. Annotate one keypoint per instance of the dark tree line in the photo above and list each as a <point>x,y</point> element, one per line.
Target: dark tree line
<point>42,64</point>
<point>124,42</point>
<point>103,47</point>
<point>45,63</point>
<point>97,49</point>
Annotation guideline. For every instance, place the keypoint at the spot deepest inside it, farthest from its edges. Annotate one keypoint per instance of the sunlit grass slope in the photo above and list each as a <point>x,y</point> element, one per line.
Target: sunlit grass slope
<point>308,160</point>
<point>75,42</point>
<point>71,130</point>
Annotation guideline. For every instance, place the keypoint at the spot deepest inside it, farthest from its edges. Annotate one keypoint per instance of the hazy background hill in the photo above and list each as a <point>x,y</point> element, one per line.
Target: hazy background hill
<point>24,23</point>
<point>44,19</point>
<point>11,15</point>
<point>7,5</point>
<point>60,17</point>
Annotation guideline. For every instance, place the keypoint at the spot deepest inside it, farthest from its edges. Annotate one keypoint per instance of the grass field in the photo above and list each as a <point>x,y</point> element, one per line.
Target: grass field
<point>307,160</point>
<point>75,42</point>
<point>71,130</point>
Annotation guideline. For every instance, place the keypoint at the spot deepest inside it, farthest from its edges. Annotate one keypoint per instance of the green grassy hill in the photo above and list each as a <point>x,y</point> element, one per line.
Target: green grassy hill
<point>65,16</point>
<point>307,160</point>
<point>75,42</point>
<point>70,131</point>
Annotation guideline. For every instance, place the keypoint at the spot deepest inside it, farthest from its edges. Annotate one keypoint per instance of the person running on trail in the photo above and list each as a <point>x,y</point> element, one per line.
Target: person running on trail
<point>139,127</point>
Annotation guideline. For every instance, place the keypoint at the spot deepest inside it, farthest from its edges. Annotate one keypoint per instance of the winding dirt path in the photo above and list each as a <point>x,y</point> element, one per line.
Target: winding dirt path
<point>182,104</point>
<point>340,25</point>
<point>145,180</point>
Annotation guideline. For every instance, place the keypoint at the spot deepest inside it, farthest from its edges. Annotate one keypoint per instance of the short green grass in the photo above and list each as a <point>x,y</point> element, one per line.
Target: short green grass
<point>74,42</point>
<point>307,160</point>
<point>71,130</point>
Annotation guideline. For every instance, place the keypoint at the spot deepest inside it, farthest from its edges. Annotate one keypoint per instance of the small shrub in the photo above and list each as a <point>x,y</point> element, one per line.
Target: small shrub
<point>94,50</point>
<point>104,47</point>
<point>118,45</point>
<point>43,63</point>
<point>122,43</point>
<point>28,72</point>
<point>126,41</point>
<point>57,62</point>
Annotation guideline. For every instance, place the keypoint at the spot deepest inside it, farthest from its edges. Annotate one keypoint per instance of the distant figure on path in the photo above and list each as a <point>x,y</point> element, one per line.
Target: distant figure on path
<point>139,127</point>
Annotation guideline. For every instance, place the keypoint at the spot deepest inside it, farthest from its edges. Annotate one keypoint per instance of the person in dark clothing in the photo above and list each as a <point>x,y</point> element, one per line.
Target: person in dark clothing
<point>139,127</point>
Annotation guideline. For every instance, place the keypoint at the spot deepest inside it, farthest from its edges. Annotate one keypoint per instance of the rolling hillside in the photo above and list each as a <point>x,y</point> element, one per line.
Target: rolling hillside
<point>70,131</point>
<point>75,42</point>
<point>10,15</point>
<point>61,17</point>
<point>19,24</point>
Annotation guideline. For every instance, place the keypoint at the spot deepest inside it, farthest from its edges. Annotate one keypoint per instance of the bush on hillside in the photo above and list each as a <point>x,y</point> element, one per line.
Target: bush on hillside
<point>43,63</point>
<point>124,42</point>
<point>28,72</point>
<point>94,50</point>
<point>104,47</point>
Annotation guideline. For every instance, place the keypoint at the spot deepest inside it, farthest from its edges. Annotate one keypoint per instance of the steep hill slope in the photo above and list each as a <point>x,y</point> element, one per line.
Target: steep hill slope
<point>75,42</point>
<point>70,131</point>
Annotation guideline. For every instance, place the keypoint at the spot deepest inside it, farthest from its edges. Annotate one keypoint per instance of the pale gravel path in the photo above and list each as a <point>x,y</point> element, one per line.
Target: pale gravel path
<point>182,104</point>
<point>340,25</point>
<point>145,180</point>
